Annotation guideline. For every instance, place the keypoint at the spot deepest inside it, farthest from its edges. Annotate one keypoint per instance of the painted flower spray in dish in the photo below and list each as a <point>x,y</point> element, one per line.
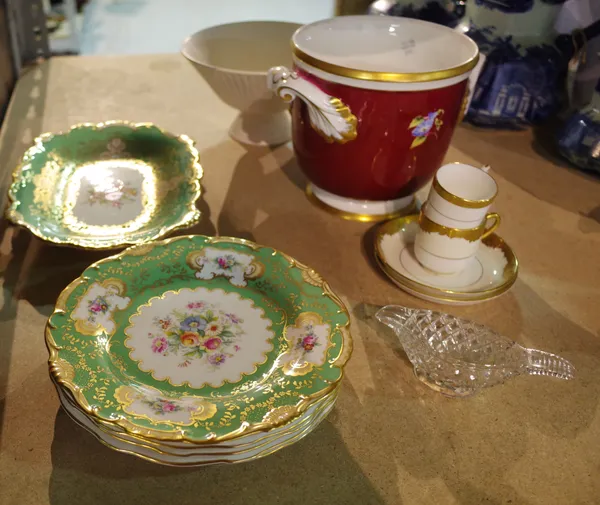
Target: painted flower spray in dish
<point>200,332</point>
<point>458,357</point>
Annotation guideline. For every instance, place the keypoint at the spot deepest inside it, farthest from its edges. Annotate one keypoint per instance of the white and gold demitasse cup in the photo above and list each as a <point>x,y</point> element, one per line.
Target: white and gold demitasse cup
<point>455,218</point>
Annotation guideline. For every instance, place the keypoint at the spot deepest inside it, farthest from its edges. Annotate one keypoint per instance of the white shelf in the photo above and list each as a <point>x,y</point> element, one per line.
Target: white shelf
<point>160,26</point>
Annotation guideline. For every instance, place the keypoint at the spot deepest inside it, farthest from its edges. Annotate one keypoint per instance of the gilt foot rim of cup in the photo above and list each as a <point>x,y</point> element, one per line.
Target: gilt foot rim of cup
<point>361,210</point>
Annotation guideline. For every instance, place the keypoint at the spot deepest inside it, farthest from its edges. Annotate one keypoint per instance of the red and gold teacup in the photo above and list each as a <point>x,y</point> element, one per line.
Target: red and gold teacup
<point>379,100</point>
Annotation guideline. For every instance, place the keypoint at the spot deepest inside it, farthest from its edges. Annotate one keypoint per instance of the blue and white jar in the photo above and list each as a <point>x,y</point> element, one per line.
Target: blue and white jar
<point>519,83</point>
<point>579,138</point>
<point>443,12</point>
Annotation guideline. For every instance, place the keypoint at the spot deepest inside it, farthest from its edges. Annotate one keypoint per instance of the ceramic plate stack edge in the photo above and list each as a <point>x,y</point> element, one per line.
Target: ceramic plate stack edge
<point>197,350</point>
<point>247,448</point>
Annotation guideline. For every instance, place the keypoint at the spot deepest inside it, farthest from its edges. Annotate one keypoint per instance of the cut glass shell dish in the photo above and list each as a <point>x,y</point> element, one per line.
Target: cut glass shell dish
<point>459,357</point>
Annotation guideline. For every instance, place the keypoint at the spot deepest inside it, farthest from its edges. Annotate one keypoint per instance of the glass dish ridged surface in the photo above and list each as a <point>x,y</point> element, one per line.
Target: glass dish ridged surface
<point>458,357</point>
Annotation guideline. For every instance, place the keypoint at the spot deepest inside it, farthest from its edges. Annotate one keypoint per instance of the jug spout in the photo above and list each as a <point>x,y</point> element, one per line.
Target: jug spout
<point>394,316</point>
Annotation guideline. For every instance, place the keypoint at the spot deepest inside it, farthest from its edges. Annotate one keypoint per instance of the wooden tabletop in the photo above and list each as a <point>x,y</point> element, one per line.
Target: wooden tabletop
<point>390,440</point>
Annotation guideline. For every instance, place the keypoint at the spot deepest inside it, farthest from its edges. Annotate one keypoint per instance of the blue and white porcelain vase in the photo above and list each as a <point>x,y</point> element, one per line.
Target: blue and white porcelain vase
<point>443,12</point>
<point>579,138</point>
<point>519,83</point>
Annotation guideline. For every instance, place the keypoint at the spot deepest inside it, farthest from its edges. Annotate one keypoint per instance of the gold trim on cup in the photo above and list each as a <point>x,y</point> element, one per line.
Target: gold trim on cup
<point>470,234</point>
<point>456,295</point>
<point>461,202</point>
<point>367,75</point>
<point>491,229</point>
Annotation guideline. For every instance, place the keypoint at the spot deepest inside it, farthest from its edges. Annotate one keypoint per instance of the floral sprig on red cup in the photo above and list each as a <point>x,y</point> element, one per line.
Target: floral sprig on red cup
<point>423,126</point>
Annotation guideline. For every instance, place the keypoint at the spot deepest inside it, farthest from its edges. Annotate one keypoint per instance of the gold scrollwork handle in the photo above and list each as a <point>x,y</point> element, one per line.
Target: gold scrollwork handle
<point>329,116</point>
<point>464,104</point>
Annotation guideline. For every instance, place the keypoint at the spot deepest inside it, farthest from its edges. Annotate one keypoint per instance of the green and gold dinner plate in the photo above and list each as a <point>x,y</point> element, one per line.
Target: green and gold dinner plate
<point>106,185</point>
<point>198,339</point>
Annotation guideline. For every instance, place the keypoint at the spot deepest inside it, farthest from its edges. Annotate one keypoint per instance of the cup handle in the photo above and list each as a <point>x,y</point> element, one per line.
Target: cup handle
<point>329,116</point>
<point>496,217</point>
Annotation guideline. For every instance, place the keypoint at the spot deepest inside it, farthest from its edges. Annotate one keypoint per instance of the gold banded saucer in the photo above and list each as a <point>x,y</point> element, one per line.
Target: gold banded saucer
<point>492,272</point>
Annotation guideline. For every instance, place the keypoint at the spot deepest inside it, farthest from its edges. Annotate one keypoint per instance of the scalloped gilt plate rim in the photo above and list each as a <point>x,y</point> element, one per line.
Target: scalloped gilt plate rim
<point>339,354</point>
<point>192,217</point>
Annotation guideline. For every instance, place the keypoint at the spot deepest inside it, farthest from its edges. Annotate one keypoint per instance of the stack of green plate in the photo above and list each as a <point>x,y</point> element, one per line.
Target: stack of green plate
<point>198,350</point>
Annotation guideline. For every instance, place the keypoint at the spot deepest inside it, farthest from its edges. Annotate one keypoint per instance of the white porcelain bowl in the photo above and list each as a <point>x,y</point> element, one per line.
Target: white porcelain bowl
<point>234,60</point>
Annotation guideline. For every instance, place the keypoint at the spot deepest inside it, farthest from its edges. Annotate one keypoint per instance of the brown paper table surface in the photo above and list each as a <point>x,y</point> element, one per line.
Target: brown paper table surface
<point>390,440</point>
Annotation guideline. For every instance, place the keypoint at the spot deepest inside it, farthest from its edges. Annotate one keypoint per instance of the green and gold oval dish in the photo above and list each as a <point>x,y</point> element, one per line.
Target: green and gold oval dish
<point>106,185</point>
<point>198,339</point>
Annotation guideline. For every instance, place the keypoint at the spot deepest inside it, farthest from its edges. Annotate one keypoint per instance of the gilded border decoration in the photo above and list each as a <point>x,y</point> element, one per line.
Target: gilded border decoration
<point>282,397</point>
